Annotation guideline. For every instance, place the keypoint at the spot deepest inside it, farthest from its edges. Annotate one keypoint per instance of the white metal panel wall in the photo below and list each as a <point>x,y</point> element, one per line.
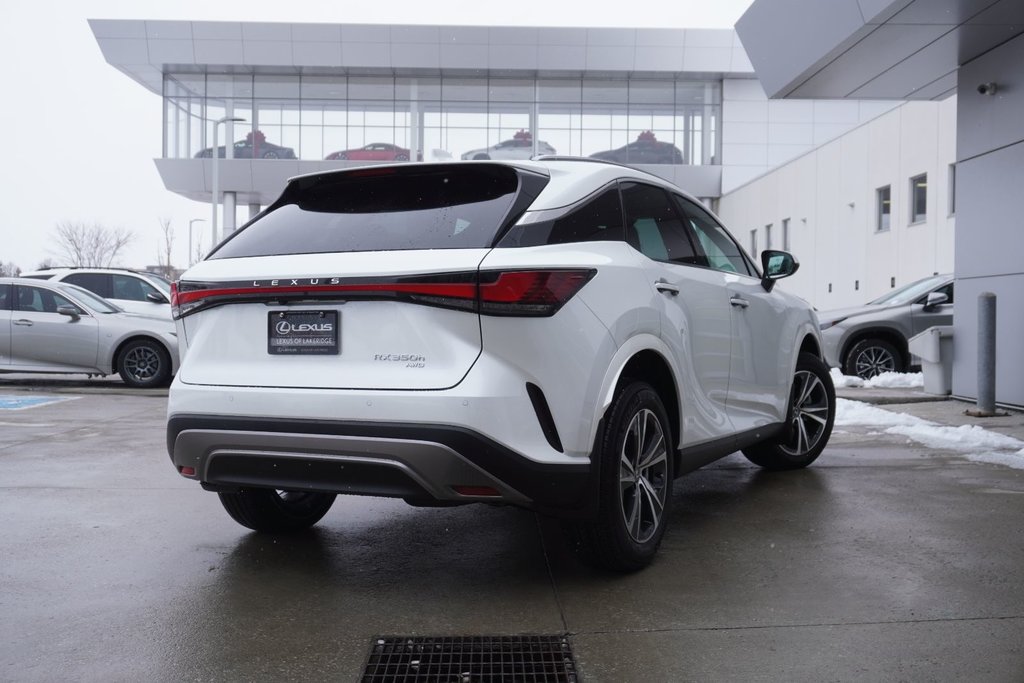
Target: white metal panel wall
<point>829,196</point>
<point>990,212</point>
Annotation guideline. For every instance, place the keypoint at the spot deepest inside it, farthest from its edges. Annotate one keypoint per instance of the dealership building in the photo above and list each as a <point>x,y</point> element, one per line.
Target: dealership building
<point>806,170</point>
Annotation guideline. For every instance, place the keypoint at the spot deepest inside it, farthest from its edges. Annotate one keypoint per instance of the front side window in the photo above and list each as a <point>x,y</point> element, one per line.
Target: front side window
<point>654,227</point>
<point>5,297</point>
<point>720,249</point>
<point>34,299</point>
<point>919,198</point>
<point>131,288</point>
<point>883,210</point>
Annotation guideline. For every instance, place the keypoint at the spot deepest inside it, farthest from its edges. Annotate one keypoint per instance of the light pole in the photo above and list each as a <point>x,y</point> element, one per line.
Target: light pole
<point>215,183</point>
<point>190,252</point>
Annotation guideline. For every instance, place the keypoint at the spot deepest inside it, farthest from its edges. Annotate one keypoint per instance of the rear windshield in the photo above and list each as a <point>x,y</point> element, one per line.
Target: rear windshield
<point>448,207</point>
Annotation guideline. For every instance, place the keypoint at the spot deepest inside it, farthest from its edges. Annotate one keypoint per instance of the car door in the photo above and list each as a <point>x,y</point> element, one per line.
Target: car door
<point>762,347</point>
<point>6,295</point>
<point>42,337</point>
<point>922,317</point>
<point>694,309</point>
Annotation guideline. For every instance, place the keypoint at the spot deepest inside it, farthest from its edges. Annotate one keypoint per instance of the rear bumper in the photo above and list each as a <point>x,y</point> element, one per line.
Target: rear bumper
<point>422,463</point>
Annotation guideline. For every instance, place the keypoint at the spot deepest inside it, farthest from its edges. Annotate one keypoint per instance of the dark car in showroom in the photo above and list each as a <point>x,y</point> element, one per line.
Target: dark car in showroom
<point>645,150</point>
<point>375,151</point>
<point>254,146</point>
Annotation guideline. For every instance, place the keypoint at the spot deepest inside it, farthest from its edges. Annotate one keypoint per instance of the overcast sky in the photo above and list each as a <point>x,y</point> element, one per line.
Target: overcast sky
<point>79,137</point>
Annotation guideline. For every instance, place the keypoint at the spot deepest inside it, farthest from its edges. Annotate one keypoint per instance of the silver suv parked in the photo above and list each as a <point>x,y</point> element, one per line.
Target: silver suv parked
<point>871,339</point>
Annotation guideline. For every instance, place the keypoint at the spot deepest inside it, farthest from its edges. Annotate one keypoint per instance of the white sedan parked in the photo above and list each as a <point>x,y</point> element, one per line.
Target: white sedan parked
<point>55,327</point>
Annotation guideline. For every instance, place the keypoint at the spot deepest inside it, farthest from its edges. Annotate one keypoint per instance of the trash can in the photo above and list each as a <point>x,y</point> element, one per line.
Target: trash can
<point>934,347</point>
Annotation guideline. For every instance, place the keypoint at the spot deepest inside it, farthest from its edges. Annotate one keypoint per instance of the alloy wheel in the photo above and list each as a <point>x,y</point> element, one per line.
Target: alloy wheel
<point>873,361</point>
<point>142,363</point>
<point>808,413</point>
<point>643,470</point>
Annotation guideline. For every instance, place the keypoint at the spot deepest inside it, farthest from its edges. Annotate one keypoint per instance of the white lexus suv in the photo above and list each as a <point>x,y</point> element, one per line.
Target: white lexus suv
<point>563,335</point>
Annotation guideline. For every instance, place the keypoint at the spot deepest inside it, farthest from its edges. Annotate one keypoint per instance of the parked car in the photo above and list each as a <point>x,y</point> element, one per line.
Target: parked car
<point>375,151</point>
<point>254,146</point>
<point>519,147</point>
<point>868,340</point>
<point>134,291</point>
<point>645,150</point>
<point>56,327</point>
<point>567,336</point>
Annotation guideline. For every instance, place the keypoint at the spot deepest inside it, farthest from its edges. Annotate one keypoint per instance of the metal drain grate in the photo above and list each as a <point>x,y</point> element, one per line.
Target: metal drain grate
<point>470,659</point>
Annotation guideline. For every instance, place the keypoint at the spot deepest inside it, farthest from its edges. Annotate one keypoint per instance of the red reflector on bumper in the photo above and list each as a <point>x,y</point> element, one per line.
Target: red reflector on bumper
<point>187,471</point>
<point>476,491</point>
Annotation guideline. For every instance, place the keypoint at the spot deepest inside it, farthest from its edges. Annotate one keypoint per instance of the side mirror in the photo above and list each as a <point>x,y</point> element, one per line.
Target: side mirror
<point>776,265</point>
<point>156,297</point>
<point>69,311</point>
<point>935,299</point>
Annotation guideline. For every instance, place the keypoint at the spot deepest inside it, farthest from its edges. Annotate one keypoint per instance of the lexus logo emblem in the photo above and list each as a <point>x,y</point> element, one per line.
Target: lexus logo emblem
<point>283,327</point>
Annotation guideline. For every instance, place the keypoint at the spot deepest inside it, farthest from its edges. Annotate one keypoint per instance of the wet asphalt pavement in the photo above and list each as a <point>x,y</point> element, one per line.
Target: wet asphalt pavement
<point>883,561</point>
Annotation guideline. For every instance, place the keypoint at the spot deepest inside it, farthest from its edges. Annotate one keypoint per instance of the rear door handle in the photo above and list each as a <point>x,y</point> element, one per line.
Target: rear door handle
<point>737,301</point>
<point>22,322</point>
<point>666,287</point>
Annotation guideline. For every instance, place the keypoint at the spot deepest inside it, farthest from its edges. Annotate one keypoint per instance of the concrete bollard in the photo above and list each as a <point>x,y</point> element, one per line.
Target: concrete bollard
<point>986,356</point>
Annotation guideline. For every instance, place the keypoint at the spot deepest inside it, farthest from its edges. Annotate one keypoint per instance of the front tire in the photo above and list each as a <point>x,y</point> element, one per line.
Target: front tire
<point>871,357</point>
<point>144,364</point>
<point>275,512</point>
<point>812,412</point>
<point>635,463</point>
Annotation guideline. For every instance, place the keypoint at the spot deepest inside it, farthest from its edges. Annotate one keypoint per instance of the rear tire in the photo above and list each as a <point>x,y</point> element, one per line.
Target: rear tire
<point>812,412</point>
<point>635,462</point>
<point>871,357</point>
<point>270,511</point>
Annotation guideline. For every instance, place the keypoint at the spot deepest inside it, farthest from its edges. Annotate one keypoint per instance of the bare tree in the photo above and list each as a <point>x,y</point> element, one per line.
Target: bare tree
<point>9,269</point>
<point>91,246</point>
<point>46,263</point>
<point>165,248</point>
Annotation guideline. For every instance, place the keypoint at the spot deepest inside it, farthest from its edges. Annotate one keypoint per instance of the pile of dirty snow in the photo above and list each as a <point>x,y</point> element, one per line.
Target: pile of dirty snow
<point>975,442</point>
<point>886,380</point>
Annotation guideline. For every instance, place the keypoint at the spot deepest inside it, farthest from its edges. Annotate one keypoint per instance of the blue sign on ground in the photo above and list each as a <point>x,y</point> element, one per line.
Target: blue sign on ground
<point>13,402</point>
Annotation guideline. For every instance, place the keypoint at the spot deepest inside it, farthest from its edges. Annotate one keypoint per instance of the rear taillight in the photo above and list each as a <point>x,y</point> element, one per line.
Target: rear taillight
<point>529,292</point>
<point>508,293</point>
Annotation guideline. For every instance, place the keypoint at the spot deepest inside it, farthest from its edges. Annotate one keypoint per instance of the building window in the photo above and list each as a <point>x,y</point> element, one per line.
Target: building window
<point>785,234</point>
<point>884,210</point>
<point>768,236</point>
<point>919,198</point>
<point>952,189</point>
<point>753,243</point>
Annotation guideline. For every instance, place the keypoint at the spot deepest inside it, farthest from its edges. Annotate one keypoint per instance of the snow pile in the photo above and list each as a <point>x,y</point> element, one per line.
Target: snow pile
<point>886,380</point>
<point>975,442</point>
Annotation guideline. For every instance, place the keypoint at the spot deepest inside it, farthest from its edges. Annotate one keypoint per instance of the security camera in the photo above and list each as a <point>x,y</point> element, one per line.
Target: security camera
<point>987,88</point>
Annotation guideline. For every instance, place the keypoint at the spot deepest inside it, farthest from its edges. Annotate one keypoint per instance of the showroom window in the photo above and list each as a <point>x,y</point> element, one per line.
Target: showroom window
<point>785,234</point>
<point>753,243</point>
<point>768,236</point>
<point>919,198</point>
<point>884,208</point>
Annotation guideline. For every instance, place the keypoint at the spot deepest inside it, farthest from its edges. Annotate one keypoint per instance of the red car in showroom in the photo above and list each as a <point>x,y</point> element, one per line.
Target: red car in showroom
<point>375,151</point>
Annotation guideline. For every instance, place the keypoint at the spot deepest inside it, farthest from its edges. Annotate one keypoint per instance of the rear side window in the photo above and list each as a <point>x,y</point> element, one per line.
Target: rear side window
<point>98,283</point>
<point>451,207</point>
<point>5,297</point>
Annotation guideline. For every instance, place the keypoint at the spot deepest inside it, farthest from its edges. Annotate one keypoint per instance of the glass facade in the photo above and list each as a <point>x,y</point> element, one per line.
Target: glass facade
<point>316,117</point>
